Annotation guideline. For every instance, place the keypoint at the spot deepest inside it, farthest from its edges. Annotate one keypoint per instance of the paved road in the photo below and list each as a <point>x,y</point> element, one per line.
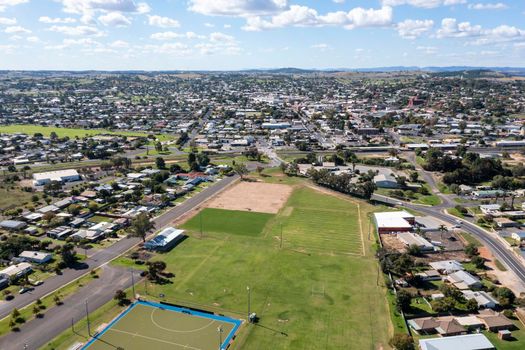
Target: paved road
<point>495,245</point>
<point>102,257</point>
<point>38,332</point>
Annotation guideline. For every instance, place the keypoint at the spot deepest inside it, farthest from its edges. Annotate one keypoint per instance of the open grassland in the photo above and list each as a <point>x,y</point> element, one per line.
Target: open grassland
<point>228,221</point>
<point>317,297</point>
<point>13,197</point>
<point>70,132</point>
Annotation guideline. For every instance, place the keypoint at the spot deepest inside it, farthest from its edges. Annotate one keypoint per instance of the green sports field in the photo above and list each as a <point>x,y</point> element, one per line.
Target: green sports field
<point>228,221</point>
<point>150,327</point>
<point>319,291</point>
<point>69,132</point>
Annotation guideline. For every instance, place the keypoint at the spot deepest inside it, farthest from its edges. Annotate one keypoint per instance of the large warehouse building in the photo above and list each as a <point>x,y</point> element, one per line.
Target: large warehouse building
<point>394,221</point>
<point>68,175</point>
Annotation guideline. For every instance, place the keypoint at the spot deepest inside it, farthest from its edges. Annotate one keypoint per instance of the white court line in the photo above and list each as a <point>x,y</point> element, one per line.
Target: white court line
<point>176,331</point>
<point>154,339</point>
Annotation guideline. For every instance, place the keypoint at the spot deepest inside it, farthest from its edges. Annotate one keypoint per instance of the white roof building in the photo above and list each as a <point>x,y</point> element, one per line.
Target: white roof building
<point>460,342</point>
<point>17,270</point>
<point>447,266</point>
<point>484,299</point>
<point>36,257</point>
<point>394,221</point>
<point>67,175</point>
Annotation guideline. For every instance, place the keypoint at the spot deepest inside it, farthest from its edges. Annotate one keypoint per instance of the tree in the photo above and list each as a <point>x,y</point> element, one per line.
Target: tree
<point>121,298</point>
<point>192,160</point>
<point>158,146</point>
<point>160,163</point>
<point>68,255</point>
<point>240,169</point>
<point>402,341</point>
<point>471,250</point>
<point>141,225</point>
<point>15,314</point>
<point>203,159</point>
<point>414,250</point>
<point>403,300</point>
<point>478,261</point>
<point>154,268</point>
<point>471,305</point>
<point>442,229</point>
<point>505,296</point>
<point>414,176</point>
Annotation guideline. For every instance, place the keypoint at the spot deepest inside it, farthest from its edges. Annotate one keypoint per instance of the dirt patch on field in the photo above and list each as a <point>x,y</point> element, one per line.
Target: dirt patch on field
<point>253,196</point>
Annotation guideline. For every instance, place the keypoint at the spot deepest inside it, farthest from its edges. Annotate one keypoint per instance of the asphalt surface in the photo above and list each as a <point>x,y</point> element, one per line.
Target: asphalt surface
<point>38,332</point>
<point>496,247</point>
<point>104,256</point>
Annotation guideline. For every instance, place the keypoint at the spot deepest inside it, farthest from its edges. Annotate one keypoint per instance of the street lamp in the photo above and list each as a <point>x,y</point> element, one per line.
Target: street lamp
<point>219,330</point>
<point>249,301</point>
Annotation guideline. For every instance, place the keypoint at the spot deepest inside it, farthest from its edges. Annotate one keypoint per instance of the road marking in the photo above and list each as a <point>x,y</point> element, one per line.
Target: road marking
<point>174,330</point>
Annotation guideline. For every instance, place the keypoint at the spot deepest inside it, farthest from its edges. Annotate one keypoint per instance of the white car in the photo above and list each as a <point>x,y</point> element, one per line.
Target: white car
<point>24,290</point>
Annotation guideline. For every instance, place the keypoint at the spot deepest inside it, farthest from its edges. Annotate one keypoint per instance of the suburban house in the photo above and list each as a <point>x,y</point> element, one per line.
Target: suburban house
<point>35,257</point>
<point>12,225</point>
<point>484,300</point>
<point>385,181</point>
<point>464,280</point>
<point>412,239</point>
<point>446,267</point>
<point>17,270</point>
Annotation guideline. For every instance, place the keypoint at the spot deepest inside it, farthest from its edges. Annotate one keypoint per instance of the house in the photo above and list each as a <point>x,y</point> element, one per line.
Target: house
<point>35,257</point>
<point>505,222</point>
<point>487,194</point>
<point>464,280</point>
<point>412,239</point>
<point>448,326</point>
<point>446,267</point>
<point>518,236</point>
<point>429,275</point>
<point>460,342</point>
<point>385,181</point>
<point>12,225</point>
<point>17,270</point>
<point>484,299</point>
<point>67,175</point>
<point>394,221</point>
<point>60,232</point>
<point>165,240</point>
<point>494,321</point>
<point>424,325</point>
<point>490,208</point>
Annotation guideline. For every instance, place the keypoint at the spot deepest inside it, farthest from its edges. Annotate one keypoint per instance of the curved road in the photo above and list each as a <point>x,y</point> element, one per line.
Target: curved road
<point>496,247</point>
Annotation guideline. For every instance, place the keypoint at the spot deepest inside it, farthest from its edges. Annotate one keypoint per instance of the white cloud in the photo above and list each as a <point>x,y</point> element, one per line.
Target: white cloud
<point>411,29</point>
<point>33,39</point>
<point>429,50</point>
<point>172,35</point>
<point>7,21</point>
<point>217,37</point>
<point>8,49</point>
<point>219,43</point>
<point>450,28</point>
<point>17,30</point>
<point>114,19</point>
<point>174,49</point>
<point>4,4</point>
<point>119,44</point>
<point>77,31</point>
<point>88,8</point>
<point>423,3</point>
<point>163,22</point>
<point>489,6</point>
<point>243,8</point>
<point>321,47</point>
<point>49,20</point>
<point>209,25</point>
<point>302,16</point>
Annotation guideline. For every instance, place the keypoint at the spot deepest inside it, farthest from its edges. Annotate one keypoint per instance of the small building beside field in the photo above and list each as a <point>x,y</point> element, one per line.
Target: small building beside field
<point>165,240</point>
<point>394,221</point>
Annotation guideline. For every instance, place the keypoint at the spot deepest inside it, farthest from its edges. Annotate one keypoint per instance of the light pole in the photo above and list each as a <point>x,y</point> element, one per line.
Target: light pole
<point>249,301</point>
<point>132,283</point>
<point>219,330</point>
<point>87,318</point>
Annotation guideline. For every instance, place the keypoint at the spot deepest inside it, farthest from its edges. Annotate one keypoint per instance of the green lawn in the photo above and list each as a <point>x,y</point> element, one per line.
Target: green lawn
<point>70,132</point>
<point>13,197</point>
<point>516,344</point>
<point>306,298</point>
<point>228,221</point>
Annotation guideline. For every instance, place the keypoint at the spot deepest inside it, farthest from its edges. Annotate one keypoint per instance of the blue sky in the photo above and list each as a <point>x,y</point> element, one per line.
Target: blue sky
<point>238,34</point>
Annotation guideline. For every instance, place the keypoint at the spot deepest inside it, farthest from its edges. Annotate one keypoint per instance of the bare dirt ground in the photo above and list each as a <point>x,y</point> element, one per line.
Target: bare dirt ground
<point>506,278</point>
<point>253,196</point>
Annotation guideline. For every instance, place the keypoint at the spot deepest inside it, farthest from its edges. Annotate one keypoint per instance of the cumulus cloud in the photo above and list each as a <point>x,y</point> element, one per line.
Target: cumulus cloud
<point>414,28</point>
<point>243,8</point>
<point>172,35</point>
<point>17,30</point>
<point>89,8</point>
<point>429,50</point>
<point>76,30</point>
<point>450,28</point>
<point>7,21</point>
<point>423,3</point>
<point>488,6</point>
<point>114,19</point>
<point>49,20</point>
<point>4,4</point>
<point>303,16</point>
<point>163,22</point>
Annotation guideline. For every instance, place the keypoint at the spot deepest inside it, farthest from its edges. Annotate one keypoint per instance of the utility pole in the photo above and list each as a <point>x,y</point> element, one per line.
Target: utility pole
<point>87,318</point>
<point>132,283</point>
<point>219,330</point>
<point>249,301</point>
<point>281,243</point>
